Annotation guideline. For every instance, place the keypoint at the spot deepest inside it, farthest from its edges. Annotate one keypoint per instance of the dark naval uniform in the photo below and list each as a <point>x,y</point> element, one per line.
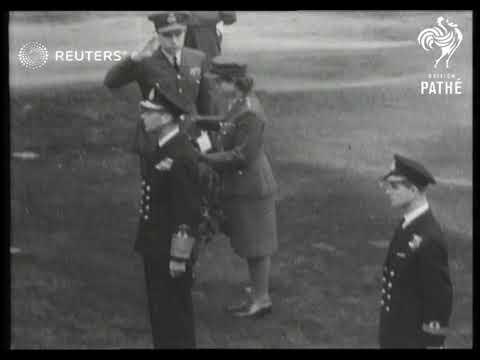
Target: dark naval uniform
<point>170,201</point>
<point>170,198</point>
<point>416,285</point>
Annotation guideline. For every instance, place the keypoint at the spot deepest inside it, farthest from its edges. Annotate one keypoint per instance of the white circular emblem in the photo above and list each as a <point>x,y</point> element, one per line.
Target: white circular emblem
<point>33,55</point>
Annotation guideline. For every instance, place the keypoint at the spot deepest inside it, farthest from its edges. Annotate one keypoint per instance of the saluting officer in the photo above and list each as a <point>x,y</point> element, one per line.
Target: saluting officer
<point>168,227</point>
<point>165,61</point>
<point>416,299</point>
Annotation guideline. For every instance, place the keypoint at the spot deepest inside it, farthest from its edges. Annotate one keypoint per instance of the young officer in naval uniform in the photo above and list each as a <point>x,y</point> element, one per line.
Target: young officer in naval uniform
<point>168,226</point>
<point>165,61</point>
<point>416,299</point>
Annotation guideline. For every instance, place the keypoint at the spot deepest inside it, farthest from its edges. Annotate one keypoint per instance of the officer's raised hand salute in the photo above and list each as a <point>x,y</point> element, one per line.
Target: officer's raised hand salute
<point>147,51</point>
<point>164,62</point>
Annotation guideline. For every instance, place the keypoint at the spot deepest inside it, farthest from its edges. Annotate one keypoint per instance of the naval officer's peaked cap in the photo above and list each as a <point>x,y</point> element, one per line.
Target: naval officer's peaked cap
<point>412,170</point>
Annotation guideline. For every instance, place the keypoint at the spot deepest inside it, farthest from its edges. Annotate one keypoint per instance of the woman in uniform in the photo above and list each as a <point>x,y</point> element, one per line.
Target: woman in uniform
<point>248,183</point>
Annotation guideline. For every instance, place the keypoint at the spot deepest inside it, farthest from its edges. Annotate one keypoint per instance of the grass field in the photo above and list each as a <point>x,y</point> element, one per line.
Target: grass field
<point>77,282</point>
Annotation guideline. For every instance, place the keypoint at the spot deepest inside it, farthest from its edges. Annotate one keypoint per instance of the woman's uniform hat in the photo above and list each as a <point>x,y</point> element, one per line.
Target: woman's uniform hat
<point>411,170</point>
<point>170,20</point>
<point>227,68</point>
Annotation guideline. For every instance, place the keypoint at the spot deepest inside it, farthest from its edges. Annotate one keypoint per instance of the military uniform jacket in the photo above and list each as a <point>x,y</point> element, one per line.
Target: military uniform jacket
<point>202,32</point>
<point>188,88</point>
<point>416,285</point>
<point>243,164</point>
<point>170,196</point>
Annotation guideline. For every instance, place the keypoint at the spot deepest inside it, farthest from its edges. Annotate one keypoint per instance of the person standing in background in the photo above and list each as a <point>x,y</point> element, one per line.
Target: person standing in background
<point>205,31</point>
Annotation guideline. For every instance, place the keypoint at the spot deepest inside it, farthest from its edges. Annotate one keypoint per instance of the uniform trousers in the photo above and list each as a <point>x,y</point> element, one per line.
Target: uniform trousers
<point>170,305</point>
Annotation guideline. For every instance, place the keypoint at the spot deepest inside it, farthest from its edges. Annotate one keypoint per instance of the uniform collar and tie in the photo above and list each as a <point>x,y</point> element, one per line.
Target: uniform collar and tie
<point>176,60</point>
<point>414,214</point>
<point>169,136</point>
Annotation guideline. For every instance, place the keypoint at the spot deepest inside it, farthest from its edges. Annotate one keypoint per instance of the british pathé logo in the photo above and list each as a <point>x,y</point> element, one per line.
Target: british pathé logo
<point>445,38</point>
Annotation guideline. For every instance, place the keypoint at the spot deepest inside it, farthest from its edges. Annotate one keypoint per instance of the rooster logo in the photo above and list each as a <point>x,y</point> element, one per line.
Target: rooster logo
<point>447,37</point>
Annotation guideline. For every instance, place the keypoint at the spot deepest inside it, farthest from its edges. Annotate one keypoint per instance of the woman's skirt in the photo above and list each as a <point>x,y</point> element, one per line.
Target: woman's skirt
<point>252,226</point>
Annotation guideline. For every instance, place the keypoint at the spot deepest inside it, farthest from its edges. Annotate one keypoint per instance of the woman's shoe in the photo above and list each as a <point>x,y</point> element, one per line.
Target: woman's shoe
<point>255,310</point>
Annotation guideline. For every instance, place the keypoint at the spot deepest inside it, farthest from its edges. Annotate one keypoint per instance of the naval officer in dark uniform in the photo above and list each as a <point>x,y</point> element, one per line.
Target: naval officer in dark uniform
<point>416,299</point>
<point>168,227</point>
<point>172,84</point>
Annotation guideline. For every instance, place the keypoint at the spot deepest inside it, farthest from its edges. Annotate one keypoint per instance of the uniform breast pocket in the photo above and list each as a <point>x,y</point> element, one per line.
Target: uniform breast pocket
<point>403,264</point>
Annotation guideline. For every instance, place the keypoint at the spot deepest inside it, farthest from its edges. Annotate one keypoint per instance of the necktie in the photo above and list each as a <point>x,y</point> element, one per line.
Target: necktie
<point>175,64</point>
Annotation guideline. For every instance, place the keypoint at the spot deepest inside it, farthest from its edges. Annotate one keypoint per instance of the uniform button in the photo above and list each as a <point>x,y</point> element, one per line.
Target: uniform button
<point>387,308</point>
<point>147,197</point>
<point>389,284</point>
<point>179,77</point>
<point>383,279</point>
<point>147,207</point>
<point>148,187</point>
<point>141,211</point>
<point>240,172</point>
<point>388,296</point>
<point>180,90</point>
<point>383,291</point>
<point>392,273</point>
<point>146,217</point>
<point>382,302</point>
<point>143,182</point>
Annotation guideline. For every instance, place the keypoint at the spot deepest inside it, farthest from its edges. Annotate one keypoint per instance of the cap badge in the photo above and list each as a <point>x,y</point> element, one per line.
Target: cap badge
<point>171,19</point>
